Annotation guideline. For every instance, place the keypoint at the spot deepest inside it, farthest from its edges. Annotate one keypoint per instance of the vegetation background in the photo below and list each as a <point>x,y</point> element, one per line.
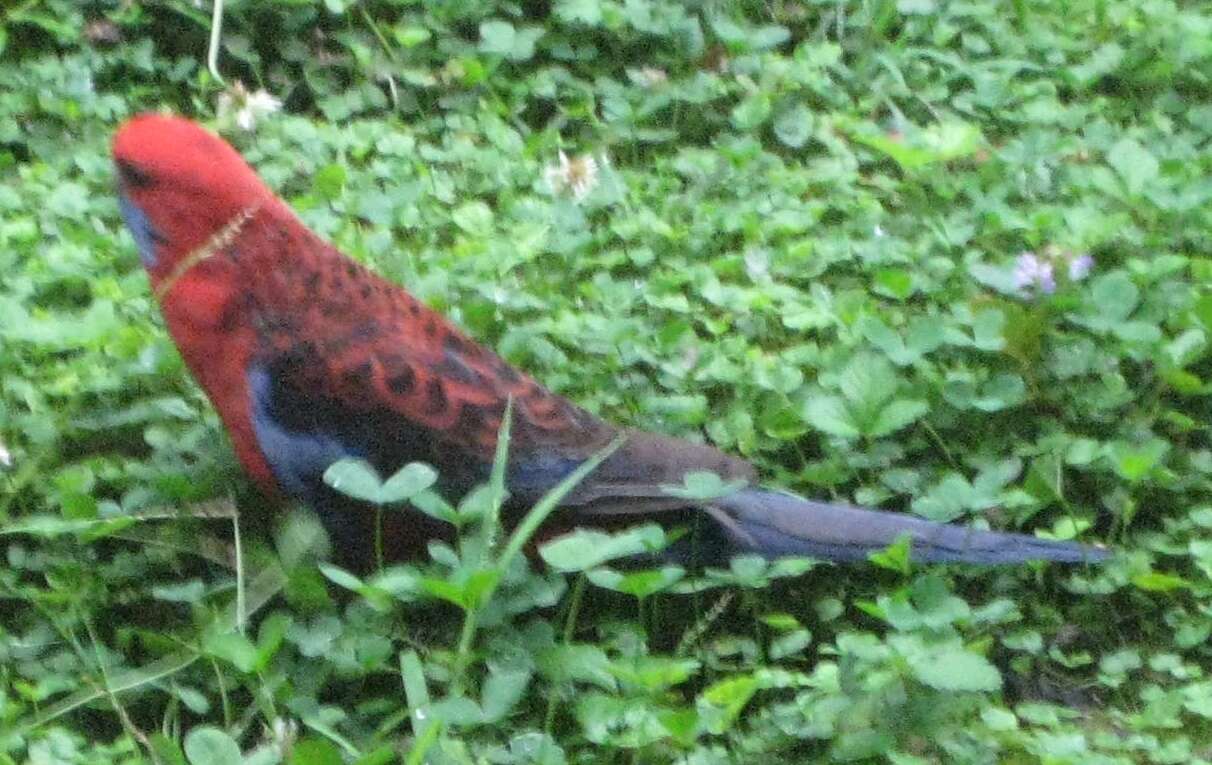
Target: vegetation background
<point>847,239</point>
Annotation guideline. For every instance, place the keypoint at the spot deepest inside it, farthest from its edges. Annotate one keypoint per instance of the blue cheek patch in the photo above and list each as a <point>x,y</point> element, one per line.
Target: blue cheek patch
<point>141,229</point>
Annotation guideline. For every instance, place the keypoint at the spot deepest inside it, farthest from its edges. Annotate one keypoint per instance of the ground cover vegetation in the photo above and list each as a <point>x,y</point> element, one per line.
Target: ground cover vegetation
<point>951,258</point>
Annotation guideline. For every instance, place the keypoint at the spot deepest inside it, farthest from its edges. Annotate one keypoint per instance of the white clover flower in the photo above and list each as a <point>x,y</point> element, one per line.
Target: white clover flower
<point>281,735</point>
<point>246,107</point>
<point>757,263</point>
<point>1037,273</point>
<point>6,459</point>
<point>578,175</point>
<point>650,76</point>
<point>1032,272</point>
<point>1080,266</point>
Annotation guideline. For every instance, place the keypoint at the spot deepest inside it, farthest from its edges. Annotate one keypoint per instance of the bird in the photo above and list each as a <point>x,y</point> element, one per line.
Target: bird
<point>310,358</point>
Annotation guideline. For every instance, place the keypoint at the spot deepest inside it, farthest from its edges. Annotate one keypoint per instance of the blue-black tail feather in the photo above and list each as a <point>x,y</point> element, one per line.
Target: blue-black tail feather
<point>774,524</point>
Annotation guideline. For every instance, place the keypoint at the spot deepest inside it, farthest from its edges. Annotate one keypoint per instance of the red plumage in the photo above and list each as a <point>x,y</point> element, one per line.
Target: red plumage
<point>278,288</point>
<point>308,357</point>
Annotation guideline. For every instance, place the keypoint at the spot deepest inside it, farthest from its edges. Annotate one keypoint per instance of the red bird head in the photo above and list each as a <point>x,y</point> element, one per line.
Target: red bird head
<point>179,186</point>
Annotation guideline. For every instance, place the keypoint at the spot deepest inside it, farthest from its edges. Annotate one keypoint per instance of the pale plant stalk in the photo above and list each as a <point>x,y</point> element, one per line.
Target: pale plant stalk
<point>216,32</point>
<point>241,605</point>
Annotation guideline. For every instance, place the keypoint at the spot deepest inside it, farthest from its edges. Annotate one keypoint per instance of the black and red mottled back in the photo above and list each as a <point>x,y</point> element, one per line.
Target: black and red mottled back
<point>309,358</point>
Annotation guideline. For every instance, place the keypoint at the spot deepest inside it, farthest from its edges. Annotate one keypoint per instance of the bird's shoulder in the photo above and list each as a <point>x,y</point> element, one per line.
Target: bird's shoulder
<point>334,326</point>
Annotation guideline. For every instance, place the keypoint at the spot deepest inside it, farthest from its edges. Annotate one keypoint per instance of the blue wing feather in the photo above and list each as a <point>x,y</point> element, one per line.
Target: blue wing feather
<point>298,456</point>
<point>301,432</point>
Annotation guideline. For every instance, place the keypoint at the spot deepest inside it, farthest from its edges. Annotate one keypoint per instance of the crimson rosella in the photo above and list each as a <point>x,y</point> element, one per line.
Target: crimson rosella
<point>310,357</point>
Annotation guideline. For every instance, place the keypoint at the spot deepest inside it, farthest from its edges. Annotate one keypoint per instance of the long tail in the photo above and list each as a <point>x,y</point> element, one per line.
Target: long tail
<point>775,525</point>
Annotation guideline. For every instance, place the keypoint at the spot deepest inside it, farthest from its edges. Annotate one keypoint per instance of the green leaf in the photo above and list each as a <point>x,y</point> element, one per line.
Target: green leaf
<point>1203,311</point>
<point>1002,391</point>
<point>997,719</point>
<point>894,557</point>
<point>384,755</point>
<point>408,481</point>
<point>897,415</point>
<point>703,485</point>
<point>726,699</point>
<point>329,180</point>
<point>896,283</point>
<point>867,382</point>
<point>185,592</point>
<point>468,594</point>
<point>497,37</point>
<point>1114,295</point>
<point>569,662</point>
<point>458,711</point>
<point>210,746</point>
<point>1138,332</point>
<point>1201,551</point>
<point>987,329</point>
<point>232,647</point>
<point>270,637</point>
<point>502,39</point>
<point>923,337</point>
<point>618,722</point>
<point>954,669</point>
<point>478,586</point>
<point>358,479</point>
<point>1102,62</point>
<point>790,644</point>
<point>166,749</point>
<point>416,691</point>
<point>1133,462</point>
<point>341,577</point>
<point>1198,699</point>
<point>315,751</point>
<point>917,148</point>
<point>640,584</point>
<point>1121,662</point>
<point>935,604</point>
<point>434,505</point>
<point>398,581</point>
<point>829,415</point>
<point>1157,581</point>
<point>587,12</point>
<point>584,549</point>
<point>502,691</point>
<point>411,36</point>
<point>1136,167</point>
<point>752,112</point>
<point>794,126</point>
<point>355,478</point>
<point>261,588</point>
<point>474,218</point>
<point>768,36</point>
<point>655,673</point>
<point>780,621</point>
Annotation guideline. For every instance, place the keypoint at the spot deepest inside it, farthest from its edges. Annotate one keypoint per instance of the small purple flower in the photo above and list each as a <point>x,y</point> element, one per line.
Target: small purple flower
<point>1079,267</point>
<point>1032,272</point>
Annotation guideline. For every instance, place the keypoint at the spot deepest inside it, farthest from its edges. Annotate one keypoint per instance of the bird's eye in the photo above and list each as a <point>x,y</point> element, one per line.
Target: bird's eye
<point>132,175</point>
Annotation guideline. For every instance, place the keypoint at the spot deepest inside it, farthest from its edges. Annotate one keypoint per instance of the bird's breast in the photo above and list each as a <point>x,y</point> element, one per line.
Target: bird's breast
<point>212,325</point>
